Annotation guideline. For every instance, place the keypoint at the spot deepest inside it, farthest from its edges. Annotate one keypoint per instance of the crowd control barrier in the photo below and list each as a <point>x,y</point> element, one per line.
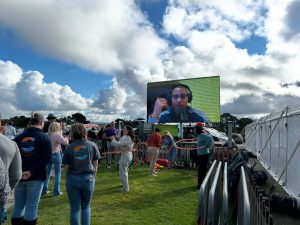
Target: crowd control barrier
<point>213,197</point>
<point>203,195</point>
<point>186,153</point>
<point>243,217</point>
<point>224,219</point>
<point>259,202</point>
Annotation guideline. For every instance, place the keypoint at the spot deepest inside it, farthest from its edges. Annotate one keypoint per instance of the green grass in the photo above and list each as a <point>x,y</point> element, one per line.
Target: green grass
<point>169,198</point>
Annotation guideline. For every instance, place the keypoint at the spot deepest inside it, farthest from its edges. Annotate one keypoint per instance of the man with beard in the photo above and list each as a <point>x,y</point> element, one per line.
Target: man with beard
<point>179,111</point>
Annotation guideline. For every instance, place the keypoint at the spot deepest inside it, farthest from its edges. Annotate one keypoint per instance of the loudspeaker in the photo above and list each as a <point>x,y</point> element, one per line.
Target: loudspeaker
<point>189,93</point>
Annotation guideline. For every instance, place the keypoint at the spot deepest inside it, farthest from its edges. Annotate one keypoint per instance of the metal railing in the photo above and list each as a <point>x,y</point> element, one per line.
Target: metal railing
<point>259,202</point>
<point>215,197</point>
<point>224,220</point>
<point>275,140</point>
<point>243,217</point>
<point>203,195</point>
<point>185,155</point>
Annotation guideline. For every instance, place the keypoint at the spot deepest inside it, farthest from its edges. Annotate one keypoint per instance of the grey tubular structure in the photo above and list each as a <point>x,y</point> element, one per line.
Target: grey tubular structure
<point>215,198</point>
<point>243,203</point>
<point>203,195</point>
<point>225,197</point>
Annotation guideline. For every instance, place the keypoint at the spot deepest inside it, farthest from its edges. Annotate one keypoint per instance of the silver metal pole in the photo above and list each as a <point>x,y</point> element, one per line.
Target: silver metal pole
<point>229,134</point>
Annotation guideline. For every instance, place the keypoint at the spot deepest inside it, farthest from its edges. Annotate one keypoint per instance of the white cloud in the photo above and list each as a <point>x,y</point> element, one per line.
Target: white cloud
<point>44,96</point>
<point>23,92</point>
<point>96,35</point>
<point>233,18</point>
<point>103,36</point>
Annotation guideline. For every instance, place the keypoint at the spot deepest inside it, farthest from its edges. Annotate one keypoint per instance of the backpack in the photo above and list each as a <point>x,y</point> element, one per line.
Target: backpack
<point>4,186</point>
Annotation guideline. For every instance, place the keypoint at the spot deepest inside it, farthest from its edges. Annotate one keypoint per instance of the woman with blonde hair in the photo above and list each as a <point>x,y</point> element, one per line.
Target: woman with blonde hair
<point>169,146</point>
<point>57,139</point>
<point>81,163</point>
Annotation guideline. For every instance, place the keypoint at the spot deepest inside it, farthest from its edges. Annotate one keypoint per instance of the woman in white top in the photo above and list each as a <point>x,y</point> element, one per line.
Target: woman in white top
<point>57,139</point>
<point>10,131</point>
<point>125,145</point>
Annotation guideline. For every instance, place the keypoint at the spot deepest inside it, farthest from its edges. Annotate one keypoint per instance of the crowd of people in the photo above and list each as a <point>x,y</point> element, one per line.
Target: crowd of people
<point>26,162</point>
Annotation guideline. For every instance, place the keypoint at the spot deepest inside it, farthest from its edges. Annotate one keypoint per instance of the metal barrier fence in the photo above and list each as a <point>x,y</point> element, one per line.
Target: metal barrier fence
<point>211,195</point>
<point>224,220</point>
<point>215,197</point>
<point>186,154</point>
<point>223,153</point>
<point>243,217</point>
<point>259,202</point>
<point>203,195</point>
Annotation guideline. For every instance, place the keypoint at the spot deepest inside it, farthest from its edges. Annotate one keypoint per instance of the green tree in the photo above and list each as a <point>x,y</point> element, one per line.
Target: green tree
<point>225,118</point>
<point>237,124</point>
<point>19,121</point>
<point>243,122</point>
<point>79,118</point>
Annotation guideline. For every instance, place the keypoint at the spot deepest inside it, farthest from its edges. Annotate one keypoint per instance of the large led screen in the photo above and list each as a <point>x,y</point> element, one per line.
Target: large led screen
<point>184,101</point>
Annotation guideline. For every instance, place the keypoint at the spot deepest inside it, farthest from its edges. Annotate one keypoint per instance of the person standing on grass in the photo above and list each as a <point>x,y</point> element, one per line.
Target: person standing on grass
<point>55,134</point>
<point>169,146</point>
<point>10,131</point>
<point>110,132</point>
<point>51,118</point>
<point>125,145</point>
<point>36,150</point>
<point>81,163</point>
<point>204,143</point>
<point>10,154</point>
<point>154,142</point>
<point>4,190</point>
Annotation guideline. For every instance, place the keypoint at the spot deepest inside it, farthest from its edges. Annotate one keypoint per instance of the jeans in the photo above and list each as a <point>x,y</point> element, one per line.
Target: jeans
<point>80,190</point>
<point>123,169</point>
<point>27,198</point>
<point>2,215</point>
<point>56,161</point>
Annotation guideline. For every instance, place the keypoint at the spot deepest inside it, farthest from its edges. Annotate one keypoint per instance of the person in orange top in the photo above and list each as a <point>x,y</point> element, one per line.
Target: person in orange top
<point>154,143</point>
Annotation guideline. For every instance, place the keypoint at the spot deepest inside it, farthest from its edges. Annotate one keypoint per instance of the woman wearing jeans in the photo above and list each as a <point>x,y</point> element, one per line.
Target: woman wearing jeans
<point>125,144</point>
<point>55,134</point>
<point>80,162</point>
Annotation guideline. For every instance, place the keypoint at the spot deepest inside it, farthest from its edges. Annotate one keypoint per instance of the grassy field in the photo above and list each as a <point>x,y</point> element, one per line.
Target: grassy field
<point>169,198</point>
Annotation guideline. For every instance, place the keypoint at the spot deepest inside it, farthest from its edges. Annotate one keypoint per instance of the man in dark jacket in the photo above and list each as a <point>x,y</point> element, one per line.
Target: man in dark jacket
<point>36,150</point>
<point>51,118</point>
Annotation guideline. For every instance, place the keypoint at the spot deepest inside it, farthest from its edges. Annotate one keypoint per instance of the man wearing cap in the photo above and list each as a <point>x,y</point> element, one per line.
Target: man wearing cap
<point>51,118</point>
<point>36,151</point>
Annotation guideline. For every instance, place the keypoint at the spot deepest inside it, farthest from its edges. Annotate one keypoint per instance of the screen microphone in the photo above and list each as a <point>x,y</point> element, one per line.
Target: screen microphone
<point>181,112</point>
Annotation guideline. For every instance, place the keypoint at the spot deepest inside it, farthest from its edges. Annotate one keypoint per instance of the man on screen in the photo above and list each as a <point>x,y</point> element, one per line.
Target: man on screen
<point>179,111</point>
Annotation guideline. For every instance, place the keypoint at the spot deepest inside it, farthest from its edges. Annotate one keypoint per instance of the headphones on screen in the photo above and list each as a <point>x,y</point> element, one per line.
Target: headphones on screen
<point>189,93</point>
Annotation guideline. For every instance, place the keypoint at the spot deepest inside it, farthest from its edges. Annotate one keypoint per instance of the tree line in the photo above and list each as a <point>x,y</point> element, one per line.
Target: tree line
<point>238,124</point>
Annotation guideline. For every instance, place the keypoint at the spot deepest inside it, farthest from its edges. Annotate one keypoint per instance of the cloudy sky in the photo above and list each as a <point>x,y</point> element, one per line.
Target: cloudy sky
<point>96,56</point>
